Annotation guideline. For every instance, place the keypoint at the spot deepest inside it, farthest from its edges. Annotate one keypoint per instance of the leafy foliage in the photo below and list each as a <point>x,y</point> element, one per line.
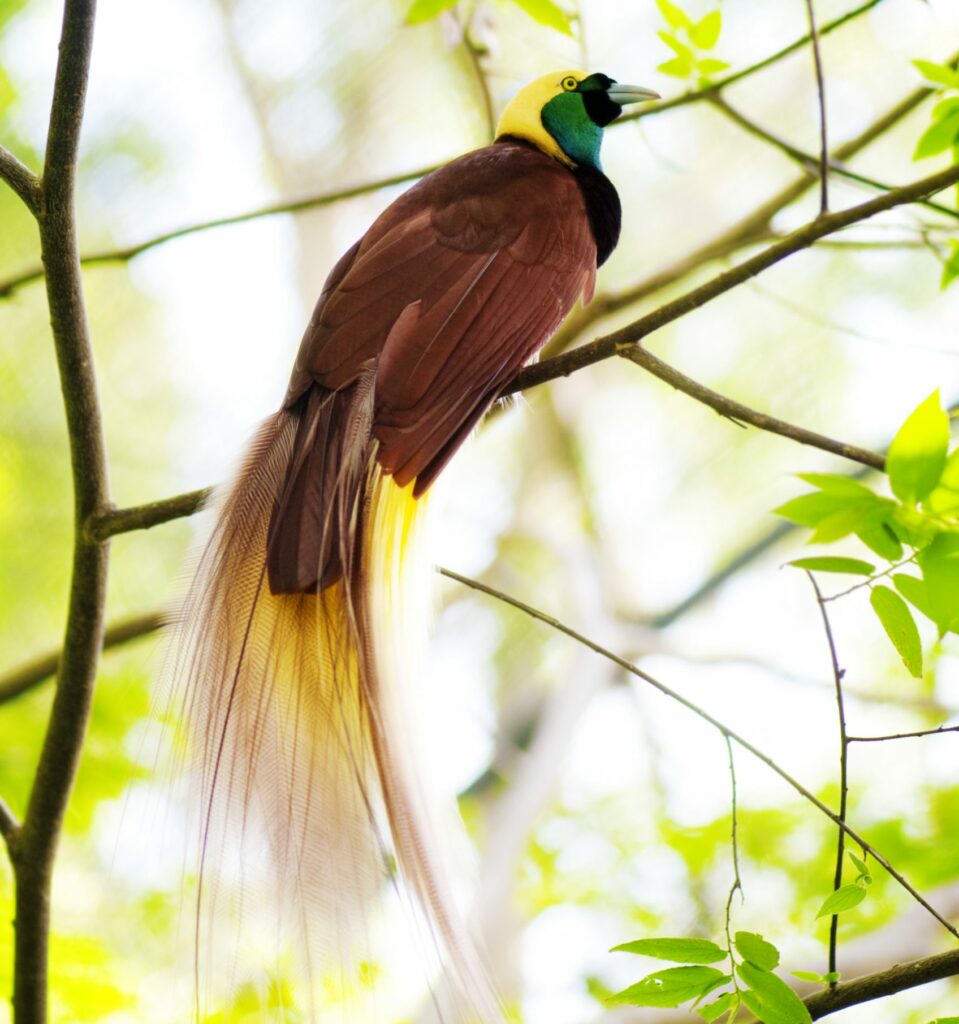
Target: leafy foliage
<point>923,517</point>
<point>690,40</point>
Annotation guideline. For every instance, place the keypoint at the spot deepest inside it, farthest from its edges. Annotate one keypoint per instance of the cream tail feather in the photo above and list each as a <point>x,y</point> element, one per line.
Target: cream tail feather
<point>297,727</point>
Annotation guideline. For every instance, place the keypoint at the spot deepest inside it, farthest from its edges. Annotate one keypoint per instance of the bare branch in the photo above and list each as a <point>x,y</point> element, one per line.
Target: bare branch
<point>623,341</point>
<point>808,160</point>
<point>904,735</point>
<point>28,676</point>
<point>154,513</point>
<point>897,978</point>
<point>740,413</point>
<point>21,179</point>
<point>821,90</point>
<point>36,844</point>
<point>837,674</point>
<point>721,727</point>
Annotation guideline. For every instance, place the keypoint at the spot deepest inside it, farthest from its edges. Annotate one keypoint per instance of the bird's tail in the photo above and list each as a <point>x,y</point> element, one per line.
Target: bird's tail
<point>295,708</point>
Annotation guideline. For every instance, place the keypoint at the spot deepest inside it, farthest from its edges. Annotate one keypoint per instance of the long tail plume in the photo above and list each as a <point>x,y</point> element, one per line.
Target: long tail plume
<point>292,662</point>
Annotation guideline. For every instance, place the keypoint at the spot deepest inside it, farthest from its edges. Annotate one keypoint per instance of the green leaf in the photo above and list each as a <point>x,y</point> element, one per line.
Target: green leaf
<point>941,74</point>
<point>680,951</point>
<point>709,66</point>
<point>424,10</point>
<point>713,1011</point>
<point>900,627</point>
<point>917,455</point>
<point>844,898</point>
<point>672,987</point>
<point>938,137</point>
<point>878,537</point>
<point>950,268</point>
<point>705,33</point>
<point>807,976</point>
<point>811,509</point>
<point>547,13</point>
<point>675,16</point>
<point>914,591</point>
<point>680,49</point>
<point>945,1020</point>
<point>945,498</point>
<point>854,566</point>
<point>945,107</point>
<point>770,998</point>
<point>836,483</point>
<point>859,863</point>
<point>677,67</point>
<point>842,523</point>
<point>939,563</point>
<point>757,950</point>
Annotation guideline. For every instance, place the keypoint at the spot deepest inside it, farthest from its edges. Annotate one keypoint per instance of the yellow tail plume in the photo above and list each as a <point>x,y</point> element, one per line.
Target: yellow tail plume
<point>298,728</point>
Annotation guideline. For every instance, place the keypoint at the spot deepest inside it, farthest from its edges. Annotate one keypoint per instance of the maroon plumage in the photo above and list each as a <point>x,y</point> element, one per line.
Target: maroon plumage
<point>420,325</point>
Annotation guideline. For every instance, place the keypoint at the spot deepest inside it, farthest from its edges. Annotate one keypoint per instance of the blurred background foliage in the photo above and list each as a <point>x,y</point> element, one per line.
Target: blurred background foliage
<point>600,813</point>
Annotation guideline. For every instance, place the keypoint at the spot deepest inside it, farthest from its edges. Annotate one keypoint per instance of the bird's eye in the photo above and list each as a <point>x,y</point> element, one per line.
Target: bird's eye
<point>569,83</point>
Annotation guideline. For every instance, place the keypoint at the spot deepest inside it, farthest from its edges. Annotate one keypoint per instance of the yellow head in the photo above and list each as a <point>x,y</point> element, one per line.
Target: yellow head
<point>565,112</point>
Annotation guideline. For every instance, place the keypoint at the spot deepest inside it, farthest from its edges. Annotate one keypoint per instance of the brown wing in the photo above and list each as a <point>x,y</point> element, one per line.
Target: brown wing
<point>450,292</point>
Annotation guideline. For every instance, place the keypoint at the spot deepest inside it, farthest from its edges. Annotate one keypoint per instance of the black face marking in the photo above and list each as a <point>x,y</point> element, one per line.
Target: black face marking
<point>600,108</point>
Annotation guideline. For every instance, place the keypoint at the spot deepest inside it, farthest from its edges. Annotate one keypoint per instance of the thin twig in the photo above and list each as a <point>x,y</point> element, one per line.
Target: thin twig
<point>837,674</point>
<point>800,156</point>
<point>740,413</point>
<point>21,179</point>
<point>737,885</point>
<point>475,52</point>
<point>623,341</point>
<point>938,731</point>
<point>26,677</point>
<point>36,844</point>
<point>821,91</point>
<point>723,729</point>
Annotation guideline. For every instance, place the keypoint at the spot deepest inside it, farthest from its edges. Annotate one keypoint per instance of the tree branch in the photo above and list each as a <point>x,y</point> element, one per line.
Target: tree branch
<point>623,341</point>
<point>21,179</point>
<point>36,844</point>
<point>740,413</point>
<point>897,978</point>
<point>144,517</point>
<point>938,731</point>
<point>821,92</point>
<point>26,677</point>
<point>808,160</point>
<point>721,727</point>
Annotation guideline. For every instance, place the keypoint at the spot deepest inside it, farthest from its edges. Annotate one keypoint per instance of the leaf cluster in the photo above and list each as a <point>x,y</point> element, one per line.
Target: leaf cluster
<point>752,984</point>
<point>690,40</point>
<point>918,526</point>
<point>545,12</point>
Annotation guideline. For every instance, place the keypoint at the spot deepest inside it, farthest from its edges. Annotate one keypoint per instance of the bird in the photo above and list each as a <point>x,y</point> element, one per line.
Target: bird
<point>292,664</point>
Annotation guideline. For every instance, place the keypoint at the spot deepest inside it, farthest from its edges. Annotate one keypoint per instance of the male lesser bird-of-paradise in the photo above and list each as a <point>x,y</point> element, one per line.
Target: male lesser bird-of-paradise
<point>291,640</point>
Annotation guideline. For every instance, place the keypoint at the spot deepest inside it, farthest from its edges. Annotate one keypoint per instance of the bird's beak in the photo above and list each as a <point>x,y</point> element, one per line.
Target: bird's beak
<point>624,94</point>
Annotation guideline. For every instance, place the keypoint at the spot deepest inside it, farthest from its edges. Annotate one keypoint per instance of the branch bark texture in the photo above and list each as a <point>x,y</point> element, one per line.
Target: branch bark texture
<point>36,842</point>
